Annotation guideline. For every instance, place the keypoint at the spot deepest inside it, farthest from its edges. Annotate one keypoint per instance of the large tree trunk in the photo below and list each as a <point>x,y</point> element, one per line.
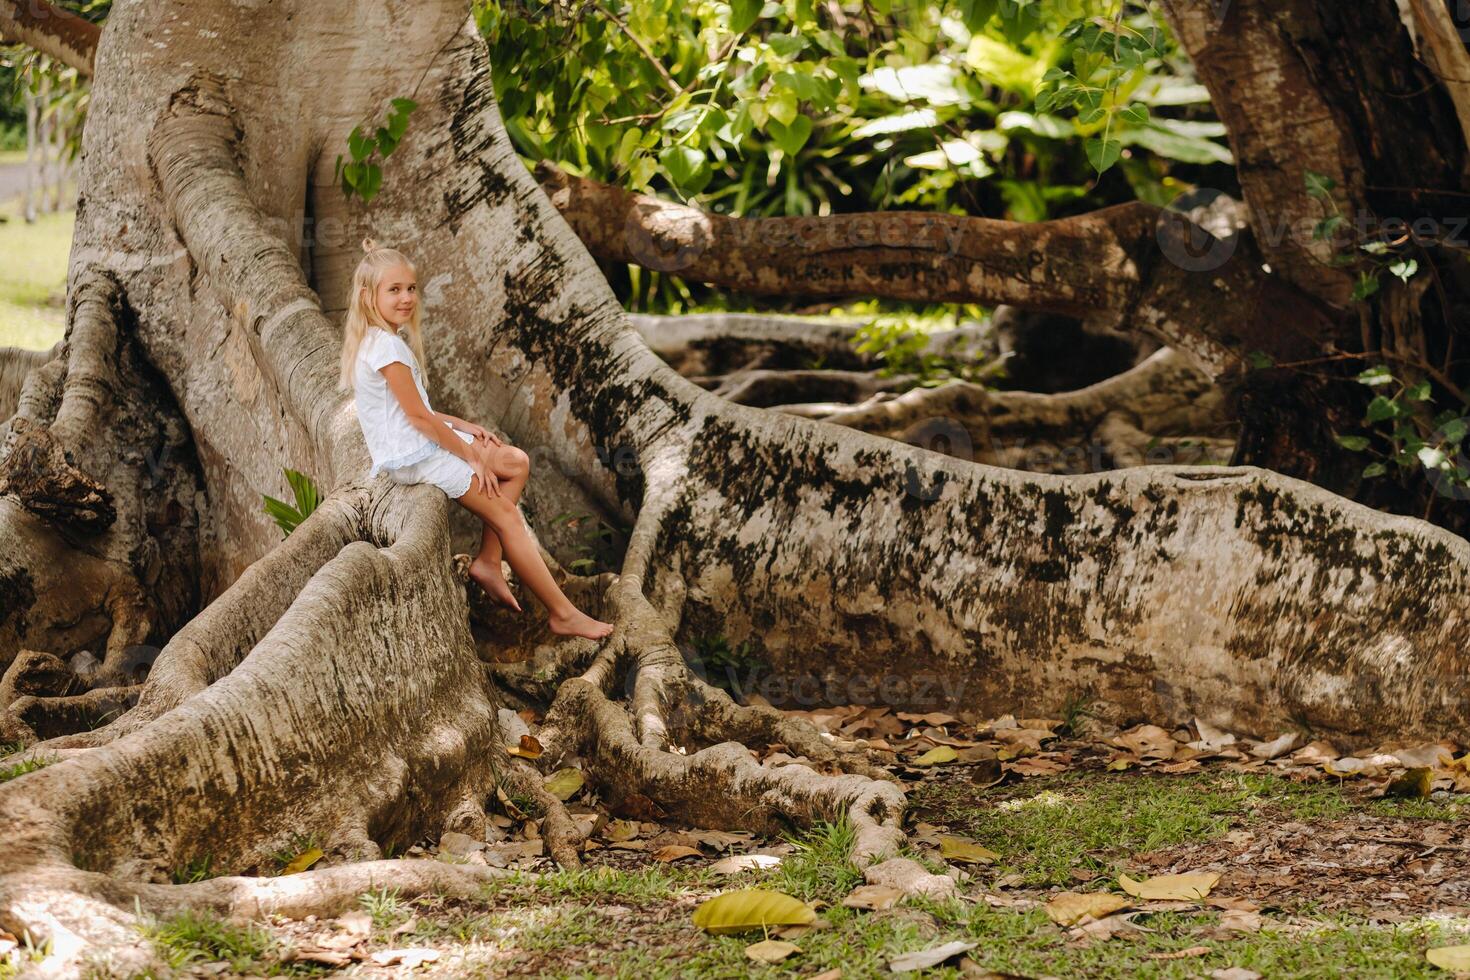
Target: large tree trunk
<point>212,250</point>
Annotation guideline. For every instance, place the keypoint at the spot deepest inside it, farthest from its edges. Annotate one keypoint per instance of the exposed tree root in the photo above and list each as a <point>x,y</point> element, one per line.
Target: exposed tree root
<point>16,368</point>
<point>351,701</point>
<point>98,499</point>
<point>1153,413</point>
<point>764,388</point>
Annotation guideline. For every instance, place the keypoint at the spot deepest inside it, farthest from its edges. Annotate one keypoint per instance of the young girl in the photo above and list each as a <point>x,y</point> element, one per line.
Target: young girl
<point>412,443</point>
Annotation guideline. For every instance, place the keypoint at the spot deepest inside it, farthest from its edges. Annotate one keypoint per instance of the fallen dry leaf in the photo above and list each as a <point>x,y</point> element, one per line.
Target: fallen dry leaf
<point>326,957</point>
<point>1186,887</point>
<point>736,863</point>
<point>1456,958</point>
<point>411,958</point>
<point>926,958</point>
<point>1068,907</point>
<point>1182,954</point>
<point>872,897</point>
<point>932,718</point>
<point>355,923</point>
<point>1148,742</point>
<point>674,852</point>
<point>771,950</point>
<point>936,756</point>
<point>302,861</point>
<point>1236,920</point>
<point>528,748</point>
<point>964,851</point>
<point>1105,928</point>
<point>1276,747</point>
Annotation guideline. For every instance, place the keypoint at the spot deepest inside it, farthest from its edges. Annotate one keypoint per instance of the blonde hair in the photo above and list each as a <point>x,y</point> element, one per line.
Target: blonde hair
<point>362,311</point>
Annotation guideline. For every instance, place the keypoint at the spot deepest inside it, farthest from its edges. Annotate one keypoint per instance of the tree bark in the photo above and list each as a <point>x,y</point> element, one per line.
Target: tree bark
<point>331,683</point>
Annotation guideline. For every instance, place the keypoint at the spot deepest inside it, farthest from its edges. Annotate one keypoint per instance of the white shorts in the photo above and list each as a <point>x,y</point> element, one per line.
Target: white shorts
<point>441,468</point>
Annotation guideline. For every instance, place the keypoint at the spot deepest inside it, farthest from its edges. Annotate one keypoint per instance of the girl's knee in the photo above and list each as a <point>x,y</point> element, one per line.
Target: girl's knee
<point>517,460</point>
<point>499,510</point>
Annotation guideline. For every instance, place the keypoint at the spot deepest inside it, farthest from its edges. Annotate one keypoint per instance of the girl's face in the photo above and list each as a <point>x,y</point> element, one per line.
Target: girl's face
<point>397,294</point>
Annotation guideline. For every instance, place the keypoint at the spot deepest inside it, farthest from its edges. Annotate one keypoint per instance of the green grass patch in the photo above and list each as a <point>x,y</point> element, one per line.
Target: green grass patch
<point>31,277</point>
<point>197,937</point>
<point>18,769</point>
<point>1046,827</point>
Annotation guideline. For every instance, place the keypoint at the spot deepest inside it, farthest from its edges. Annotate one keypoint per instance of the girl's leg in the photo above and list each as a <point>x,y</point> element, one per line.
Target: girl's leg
<point>512,468</point>
<point>520,551</point>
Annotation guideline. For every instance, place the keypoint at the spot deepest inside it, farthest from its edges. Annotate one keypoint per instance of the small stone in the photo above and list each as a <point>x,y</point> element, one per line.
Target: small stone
<point>909,877</point>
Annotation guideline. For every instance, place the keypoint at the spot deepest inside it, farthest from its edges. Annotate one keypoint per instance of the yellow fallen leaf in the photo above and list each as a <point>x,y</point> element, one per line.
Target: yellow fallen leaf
<point>1066,908</point>
<point>1412,785</point>
<point>937,756</point>
<point>564,783</point>
<point>1455,958</point>
<point>964,851</point>
<point>302,861</point>
<point>751,908</point>
<point>620,830</point>
<point>1179,888</point>
<point>771,950</point>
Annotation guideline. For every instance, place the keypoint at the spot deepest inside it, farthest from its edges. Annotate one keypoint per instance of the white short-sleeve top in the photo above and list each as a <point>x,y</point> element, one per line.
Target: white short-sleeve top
<point>391,439</point>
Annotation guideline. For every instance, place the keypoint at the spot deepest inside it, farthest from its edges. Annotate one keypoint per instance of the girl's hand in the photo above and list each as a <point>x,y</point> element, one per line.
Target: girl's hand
<point>482,435</point>
<point>480,464</point>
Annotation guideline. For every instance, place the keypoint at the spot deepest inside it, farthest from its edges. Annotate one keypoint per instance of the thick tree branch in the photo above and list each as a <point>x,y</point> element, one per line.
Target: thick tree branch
<point>1135,263</point>
<point>54,32</point>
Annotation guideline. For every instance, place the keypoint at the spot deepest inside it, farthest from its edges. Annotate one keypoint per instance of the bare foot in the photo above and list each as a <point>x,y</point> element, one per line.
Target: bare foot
<point>493,582</point>
<point>578,623</point>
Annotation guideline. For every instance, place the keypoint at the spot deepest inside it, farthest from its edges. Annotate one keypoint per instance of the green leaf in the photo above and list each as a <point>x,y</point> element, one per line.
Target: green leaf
<point>1135,112</point>
<point>1404,268</point>
<point>1355,443</point>
<point>1319,185</point>
<point>1454,431</point>
<point>793,137</point>
<point>359,145</point>
<point>1374,469</point>
<point>1378,374</point>
<point>1381,408</point>
<point>304,489</point>
<point>1419,392</point>
<point>786,45</point>
<point>404,105</point>
<point>1260,360</point>
<point>686,167</point>
<point>386,142</point>
<point>1103,153</point>
<point>743,14</point>
<point>285,516</point>
<point>1326,227</point>
<point>371,181</point>
<point>1433,458</point>
<point>1366,286</point>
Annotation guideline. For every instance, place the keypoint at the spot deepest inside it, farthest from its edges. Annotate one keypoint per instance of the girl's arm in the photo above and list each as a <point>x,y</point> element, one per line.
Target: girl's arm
<point>400,382</point>
<point>454,422</point>
<point>480,434</point>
